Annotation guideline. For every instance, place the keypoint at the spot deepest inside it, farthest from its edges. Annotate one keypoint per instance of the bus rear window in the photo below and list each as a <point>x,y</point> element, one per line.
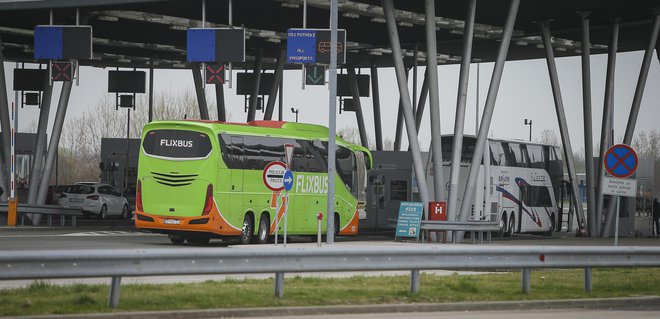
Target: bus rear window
<point>177,144</point>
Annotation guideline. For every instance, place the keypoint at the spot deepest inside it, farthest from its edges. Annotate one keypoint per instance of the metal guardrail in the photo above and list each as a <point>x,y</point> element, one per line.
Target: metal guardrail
<point>117,263</point>
<point>48,210</point>
<point>470,226</point>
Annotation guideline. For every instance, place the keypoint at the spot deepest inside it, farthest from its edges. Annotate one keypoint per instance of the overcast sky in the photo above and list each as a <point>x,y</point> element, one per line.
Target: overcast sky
<point>525,92</point>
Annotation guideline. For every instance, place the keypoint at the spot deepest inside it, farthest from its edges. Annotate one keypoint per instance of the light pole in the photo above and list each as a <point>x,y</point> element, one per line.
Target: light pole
<point>529,122</point>
<point>295,111</point>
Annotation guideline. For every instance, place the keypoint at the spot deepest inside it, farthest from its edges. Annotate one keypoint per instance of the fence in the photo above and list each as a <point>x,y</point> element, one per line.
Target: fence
<point>117,263</point>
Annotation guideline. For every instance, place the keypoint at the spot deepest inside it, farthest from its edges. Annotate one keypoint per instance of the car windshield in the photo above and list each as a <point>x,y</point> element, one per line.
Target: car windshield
<point>79,189</point>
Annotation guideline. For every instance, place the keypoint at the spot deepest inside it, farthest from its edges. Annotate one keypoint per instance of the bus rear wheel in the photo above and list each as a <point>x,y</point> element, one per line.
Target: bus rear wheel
<point>176,239</point>
<point>262,234</point>
<point>246,232</point>
<point>198,239</point>
<point>512,226</point>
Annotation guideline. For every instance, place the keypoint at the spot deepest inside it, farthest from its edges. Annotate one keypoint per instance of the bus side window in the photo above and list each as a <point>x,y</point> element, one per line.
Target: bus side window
<point>497,156</point>
<point>536,156</point>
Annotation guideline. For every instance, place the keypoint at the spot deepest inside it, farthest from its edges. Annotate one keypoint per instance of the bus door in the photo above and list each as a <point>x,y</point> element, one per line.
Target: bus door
<point>237,155</point>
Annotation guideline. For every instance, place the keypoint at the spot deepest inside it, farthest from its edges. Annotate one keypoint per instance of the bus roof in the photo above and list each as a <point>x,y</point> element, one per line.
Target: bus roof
<point>506,140</point>
<point>267,128</point>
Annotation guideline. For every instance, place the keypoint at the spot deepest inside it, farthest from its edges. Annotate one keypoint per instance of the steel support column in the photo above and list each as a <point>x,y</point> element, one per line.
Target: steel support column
<point>606,124</point>
<point>5,162</point>
<point>488,111</point>
<point>201,95</point>
<point>461,104</point>
<point>388,8</point>
<point>561,119</point>
<point>280,101</point>
<point>588,127</point>
<point>332,122</point>
<point>272,96</point>
<point>352,81</point>
<point>399,119</point>
<point>39,149</point>
<point>375,92</point>
<point>54,141</point>
<point>254,97</point>
<point>421,103</point>
<point>151,91</point>
<point>220,101</point>
<point>634,111</point>
<point>434,107</point>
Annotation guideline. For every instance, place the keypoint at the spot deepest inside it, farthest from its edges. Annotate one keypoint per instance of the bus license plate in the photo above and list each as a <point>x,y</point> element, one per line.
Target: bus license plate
<point>171,221</point>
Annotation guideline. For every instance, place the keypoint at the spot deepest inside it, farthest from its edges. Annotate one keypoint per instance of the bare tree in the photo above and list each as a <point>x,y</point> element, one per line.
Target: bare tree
<point>548,137</point>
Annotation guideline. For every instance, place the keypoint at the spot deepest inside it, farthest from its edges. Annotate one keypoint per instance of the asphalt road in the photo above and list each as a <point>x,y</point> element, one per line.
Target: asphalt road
<point>645,313</point>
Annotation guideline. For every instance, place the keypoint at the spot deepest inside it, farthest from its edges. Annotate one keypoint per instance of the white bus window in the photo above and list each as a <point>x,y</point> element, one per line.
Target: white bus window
<point>536,157</point>
<point>536,196</point>
<point>520,154</point>
<point>497,157</point>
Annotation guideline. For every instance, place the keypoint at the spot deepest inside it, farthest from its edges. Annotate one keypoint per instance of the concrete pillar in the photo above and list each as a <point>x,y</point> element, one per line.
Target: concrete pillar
<point>201,95</point>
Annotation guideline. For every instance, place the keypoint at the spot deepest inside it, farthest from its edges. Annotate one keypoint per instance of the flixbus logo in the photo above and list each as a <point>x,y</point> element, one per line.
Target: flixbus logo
<point>176,143</point>
<point>311,184</point>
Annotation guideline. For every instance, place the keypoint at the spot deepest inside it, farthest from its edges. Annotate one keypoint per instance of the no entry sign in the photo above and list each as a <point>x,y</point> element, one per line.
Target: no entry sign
<point>274,176</point>
<point>620,161</point>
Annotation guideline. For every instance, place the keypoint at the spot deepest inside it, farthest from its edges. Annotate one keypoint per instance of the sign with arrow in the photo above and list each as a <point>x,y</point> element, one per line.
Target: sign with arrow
<point>288,180</point>
<point>314,75</point>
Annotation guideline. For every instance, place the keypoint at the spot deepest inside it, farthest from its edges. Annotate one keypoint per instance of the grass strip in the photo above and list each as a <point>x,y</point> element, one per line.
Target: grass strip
<point>43,298</point>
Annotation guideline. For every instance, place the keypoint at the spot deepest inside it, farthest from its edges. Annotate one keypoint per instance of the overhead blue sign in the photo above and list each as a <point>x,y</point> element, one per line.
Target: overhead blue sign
<point>62,42</point>
<point>621,161</point>
<point>288,180</point>
<point>410,217</point>
<point>310,46</point>
<point>301,46</point>
<point>215,45</point>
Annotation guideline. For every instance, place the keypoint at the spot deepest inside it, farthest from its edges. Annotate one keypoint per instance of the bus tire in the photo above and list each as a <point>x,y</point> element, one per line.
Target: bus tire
<point>264,227</point>
<point>504,229</point>
<point>198,239</point>
<point>247,230</point>
<point>553,224</point>
<point>176,239</point>
<point>512,225</point>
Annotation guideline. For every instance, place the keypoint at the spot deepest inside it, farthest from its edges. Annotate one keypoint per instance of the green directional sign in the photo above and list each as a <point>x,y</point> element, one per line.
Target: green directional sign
<point>314,75</point>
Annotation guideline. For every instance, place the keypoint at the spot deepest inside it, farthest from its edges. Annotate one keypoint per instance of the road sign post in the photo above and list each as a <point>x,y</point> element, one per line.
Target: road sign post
<point>288,184</point>
<point>620,161</point>
<point>273,177</point>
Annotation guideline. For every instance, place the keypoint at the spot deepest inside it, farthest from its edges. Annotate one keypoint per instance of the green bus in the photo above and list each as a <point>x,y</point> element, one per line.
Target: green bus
<point>199,180</point>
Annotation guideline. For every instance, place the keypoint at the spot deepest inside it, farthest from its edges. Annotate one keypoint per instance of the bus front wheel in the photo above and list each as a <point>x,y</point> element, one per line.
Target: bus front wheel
<point>176,239</point>
<point>246,232</point>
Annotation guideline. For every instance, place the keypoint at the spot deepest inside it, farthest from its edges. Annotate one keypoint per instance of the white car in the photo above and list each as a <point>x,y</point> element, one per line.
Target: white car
<point>101,200</point>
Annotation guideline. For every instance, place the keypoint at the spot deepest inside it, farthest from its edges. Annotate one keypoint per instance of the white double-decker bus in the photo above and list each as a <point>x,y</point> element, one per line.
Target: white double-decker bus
<point>518,183</point>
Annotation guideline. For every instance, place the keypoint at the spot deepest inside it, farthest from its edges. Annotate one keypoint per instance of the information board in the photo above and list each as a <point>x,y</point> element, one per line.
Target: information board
<point>410,217</point>
<point>311,46</point>
<point>620,187</point>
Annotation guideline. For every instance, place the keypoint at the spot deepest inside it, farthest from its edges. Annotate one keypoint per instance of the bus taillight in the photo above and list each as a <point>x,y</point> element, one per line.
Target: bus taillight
<point>138,196</point>
<point>208,204</point>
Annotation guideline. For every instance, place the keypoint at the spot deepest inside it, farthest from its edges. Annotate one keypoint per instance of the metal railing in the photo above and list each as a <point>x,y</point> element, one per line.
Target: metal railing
<point>47,210</point>
<point>473,227</point>
<point>117,263</point>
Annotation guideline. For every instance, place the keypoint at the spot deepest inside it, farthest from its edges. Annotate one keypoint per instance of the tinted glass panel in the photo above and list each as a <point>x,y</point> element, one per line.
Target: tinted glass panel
<point>497,156</point>
<point>519,153</point>
<point>536,196</point>
<point>399,190</point>
<point>467,152</point>
<point>79,189</point>
<point>346,166</point>
<point>177,144</point>
<point>255,152</point>
<point>536,156</point>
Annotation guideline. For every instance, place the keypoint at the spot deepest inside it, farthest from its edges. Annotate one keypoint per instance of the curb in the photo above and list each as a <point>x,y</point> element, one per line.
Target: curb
<point>593,303</point>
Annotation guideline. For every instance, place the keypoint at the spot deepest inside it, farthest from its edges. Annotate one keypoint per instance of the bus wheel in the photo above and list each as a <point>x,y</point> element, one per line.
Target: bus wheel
<point>176,239</point>
<point>262,235</point>
<point>512,226</point>
<point>552,226</point>
<point>246,233</point>
<point>503,230</point>
<point>198,239</point>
